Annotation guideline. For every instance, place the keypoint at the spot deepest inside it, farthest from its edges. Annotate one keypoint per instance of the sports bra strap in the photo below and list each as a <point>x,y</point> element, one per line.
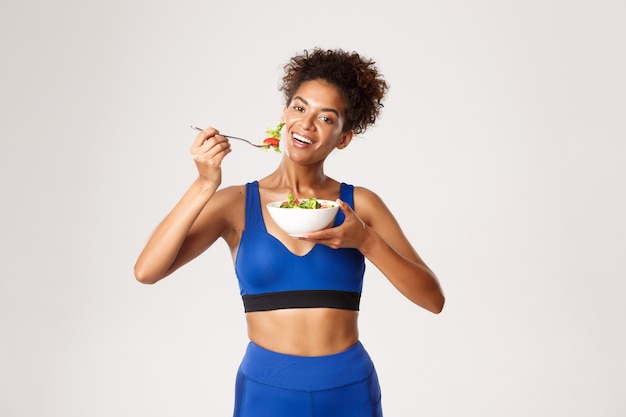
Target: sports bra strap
<point>254,215</point>
<point>346,195</point>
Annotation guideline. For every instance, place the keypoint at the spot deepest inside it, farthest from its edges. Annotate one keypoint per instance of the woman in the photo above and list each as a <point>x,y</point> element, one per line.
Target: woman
<point>304,357</point>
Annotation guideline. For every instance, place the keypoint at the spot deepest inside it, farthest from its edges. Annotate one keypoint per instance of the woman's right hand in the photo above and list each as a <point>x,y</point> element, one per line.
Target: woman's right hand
<point>181,236</point>
<point>208,151</point>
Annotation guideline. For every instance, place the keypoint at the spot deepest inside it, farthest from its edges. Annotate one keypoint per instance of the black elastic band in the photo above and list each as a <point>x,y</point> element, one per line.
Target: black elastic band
<point>345,300</point>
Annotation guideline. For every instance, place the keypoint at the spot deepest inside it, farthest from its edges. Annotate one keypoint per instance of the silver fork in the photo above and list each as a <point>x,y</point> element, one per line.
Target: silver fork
<point>256,145</point>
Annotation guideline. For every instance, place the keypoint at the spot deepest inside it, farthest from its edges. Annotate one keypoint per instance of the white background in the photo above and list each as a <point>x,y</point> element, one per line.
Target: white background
<point>501,150</point>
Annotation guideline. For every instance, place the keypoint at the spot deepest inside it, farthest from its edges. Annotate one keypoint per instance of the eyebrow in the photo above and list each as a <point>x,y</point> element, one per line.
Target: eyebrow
<point>323,109</point>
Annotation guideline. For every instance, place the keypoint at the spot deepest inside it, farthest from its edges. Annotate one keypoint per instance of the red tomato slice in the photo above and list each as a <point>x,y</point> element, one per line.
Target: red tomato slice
<point>271,142</point>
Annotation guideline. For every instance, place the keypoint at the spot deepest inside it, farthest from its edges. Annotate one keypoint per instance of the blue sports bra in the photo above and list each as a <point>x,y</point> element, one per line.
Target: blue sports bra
<point>272,277</point>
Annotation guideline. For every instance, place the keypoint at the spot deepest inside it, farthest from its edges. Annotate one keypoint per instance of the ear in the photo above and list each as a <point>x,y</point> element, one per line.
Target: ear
<point>283,114</point>
<point>345,139</point>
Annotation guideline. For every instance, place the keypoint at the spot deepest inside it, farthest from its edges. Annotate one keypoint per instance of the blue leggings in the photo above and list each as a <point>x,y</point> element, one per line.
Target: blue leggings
<point>271,384</point>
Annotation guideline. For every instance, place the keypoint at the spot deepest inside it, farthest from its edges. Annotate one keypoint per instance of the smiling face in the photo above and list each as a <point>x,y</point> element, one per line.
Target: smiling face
<point>314,121</point>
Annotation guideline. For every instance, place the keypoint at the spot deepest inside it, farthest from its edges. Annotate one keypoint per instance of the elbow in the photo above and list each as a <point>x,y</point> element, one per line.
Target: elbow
<point>436,303</point>
<point>143,276</point>
<point>437,299</point>
<point>433,303</point>
<point>438,306</point>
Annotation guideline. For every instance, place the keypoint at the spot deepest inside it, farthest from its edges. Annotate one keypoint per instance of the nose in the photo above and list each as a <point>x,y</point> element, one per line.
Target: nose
<point>306,122</point>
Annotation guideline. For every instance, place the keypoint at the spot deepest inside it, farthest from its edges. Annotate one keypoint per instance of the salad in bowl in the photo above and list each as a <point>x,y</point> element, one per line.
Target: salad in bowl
<point>297,216</point>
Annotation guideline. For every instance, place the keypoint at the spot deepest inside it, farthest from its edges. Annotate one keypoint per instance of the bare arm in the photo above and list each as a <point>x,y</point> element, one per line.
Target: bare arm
<point>375,232</point>
<point>183,234</point>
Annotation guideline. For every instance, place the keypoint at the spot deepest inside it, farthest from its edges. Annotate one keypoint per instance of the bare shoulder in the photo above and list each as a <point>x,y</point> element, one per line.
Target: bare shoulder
<point>231,194</point>
<point>367,201</point>
<point>223,216</point>
<point>371,208</point>
<point>226,206</point>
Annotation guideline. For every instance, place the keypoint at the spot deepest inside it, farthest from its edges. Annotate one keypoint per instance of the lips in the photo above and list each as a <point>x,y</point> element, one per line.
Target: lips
<point>302,139</point>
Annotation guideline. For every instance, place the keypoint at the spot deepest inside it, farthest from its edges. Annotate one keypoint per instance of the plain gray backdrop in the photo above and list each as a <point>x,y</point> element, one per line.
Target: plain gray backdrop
<point>501,150</point>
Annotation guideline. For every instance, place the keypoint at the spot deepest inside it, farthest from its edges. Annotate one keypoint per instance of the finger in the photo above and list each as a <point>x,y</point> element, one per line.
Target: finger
<point>211,149</point>
<point>218,148</point>
<point>214,141</point>
<point>344,207</point>
<point>320,235</point>
<point>219,156</point>
<point>203,135</point>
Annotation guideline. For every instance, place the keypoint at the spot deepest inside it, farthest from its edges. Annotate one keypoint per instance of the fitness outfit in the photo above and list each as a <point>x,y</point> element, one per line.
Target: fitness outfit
<point>272,384</point>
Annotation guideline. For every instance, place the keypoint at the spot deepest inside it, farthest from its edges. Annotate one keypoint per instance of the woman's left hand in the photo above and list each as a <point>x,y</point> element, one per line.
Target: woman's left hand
<point>350,234</point>
<point>380,239</point>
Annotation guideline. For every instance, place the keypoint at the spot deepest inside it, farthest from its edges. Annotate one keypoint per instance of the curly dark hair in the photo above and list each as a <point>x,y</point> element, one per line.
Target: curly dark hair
<point>359,82</point>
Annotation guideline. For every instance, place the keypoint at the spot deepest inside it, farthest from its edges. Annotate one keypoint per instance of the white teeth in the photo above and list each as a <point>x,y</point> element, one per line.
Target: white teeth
<point>302,139</point>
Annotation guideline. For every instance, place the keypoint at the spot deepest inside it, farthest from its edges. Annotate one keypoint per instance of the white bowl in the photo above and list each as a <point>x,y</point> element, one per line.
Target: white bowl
<point>298,221</point>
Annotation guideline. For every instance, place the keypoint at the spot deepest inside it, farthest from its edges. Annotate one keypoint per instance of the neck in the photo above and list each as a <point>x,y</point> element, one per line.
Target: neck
<point>302,177</point>
<point>300,180</point>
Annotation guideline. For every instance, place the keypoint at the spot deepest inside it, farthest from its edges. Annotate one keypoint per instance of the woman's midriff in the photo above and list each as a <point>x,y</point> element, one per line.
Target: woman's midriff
<point>305,331</point>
